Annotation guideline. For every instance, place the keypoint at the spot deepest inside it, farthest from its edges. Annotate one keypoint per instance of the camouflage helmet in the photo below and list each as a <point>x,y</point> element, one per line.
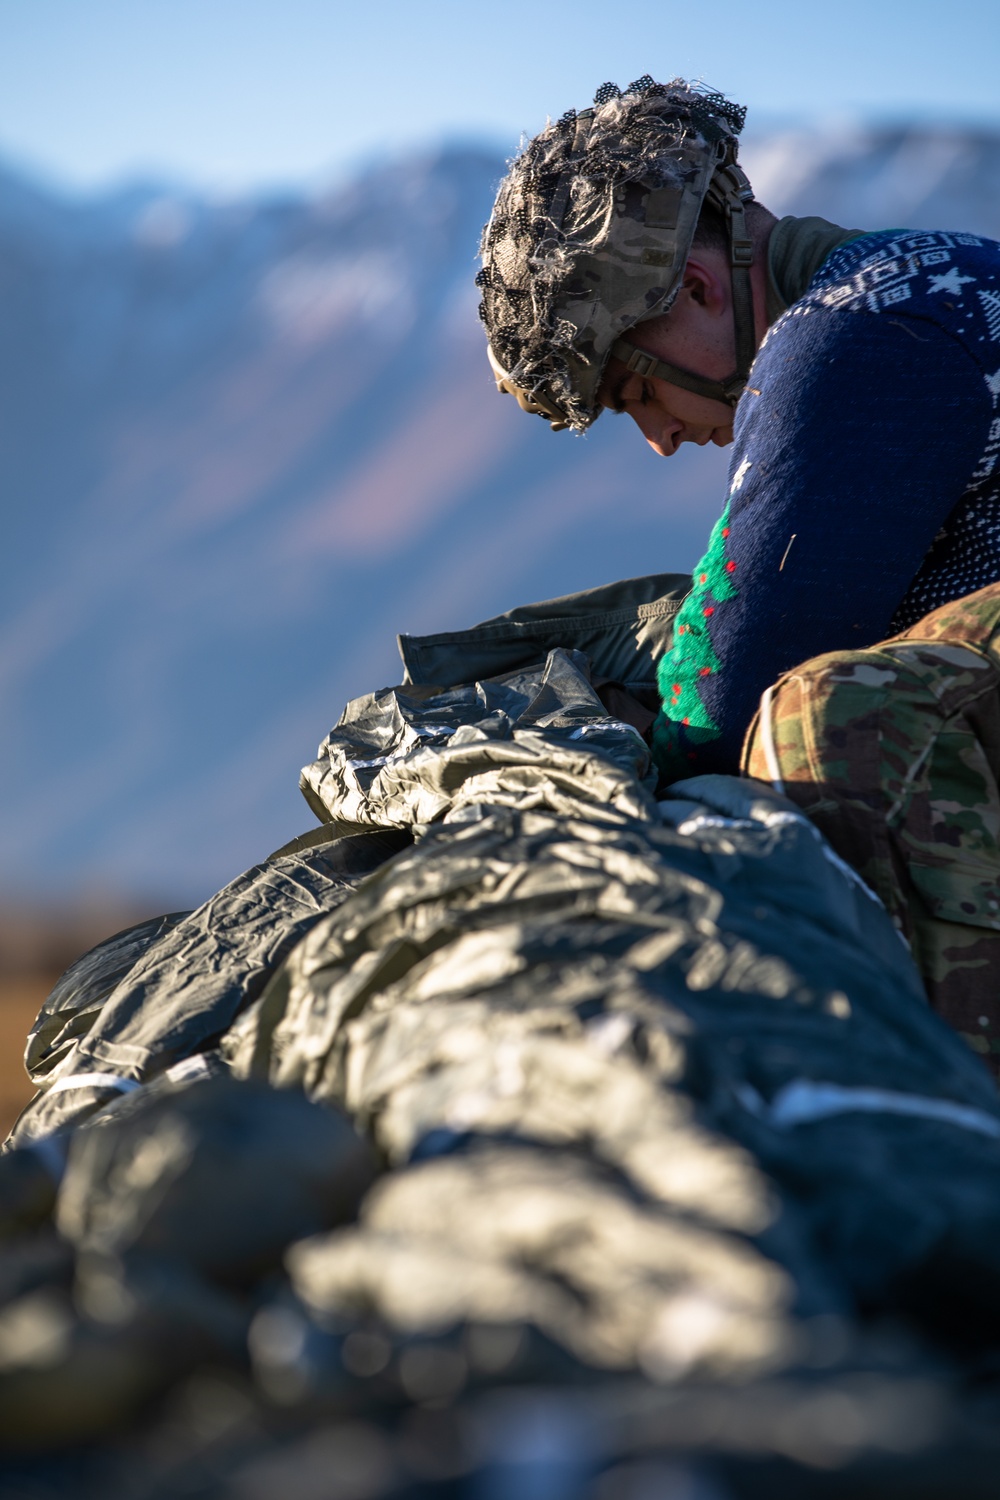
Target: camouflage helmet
<point>590,234</point>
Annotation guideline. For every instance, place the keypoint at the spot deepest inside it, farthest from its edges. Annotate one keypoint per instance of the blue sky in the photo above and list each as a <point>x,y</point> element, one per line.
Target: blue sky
<point>229,94</point>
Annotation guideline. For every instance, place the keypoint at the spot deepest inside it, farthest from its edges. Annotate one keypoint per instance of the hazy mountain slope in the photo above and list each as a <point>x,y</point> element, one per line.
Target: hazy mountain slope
<point>241,446</point>
<point>924,178</point>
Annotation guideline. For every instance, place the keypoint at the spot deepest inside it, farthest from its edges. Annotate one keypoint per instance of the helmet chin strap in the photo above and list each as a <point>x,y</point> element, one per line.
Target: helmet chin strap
<point>730,191</point>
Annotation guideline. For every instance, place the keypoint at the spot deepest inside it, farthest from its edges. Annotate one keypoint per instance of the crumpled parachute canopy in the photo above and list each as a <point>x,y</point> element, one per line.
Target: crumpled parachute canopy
<point>590,234</point>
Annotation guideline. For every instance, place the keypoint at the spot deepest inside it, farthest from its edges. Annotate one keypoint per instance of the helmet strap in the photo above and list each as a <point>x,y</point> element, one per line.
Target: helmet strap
<point>731,191</point>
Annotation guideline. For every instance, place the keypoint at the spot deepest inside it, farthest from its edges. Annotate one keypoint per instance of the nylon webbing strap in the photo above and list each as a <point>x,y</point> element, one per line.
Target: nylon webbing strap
<point>741,259</point>
<point>730,189</point>
<point>643,364</point>
<point>560,200</point>
<point>95,1081</point>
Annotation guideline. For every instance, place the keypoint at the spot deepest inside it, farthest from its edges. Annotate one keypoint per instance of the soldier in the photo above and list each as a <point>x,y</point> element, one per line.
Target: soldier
<point>627,267</point>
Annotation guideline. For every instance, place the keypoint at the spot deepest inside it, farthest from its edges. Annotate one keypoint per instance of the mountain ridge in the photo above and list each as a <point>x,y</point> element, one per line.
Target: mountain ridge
<point>246,443</point>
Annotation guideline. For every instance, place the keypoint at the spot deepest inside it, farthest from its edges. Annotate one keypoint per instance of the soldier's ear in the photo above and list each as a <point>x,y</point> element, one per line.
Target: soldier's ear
<point>704,284</point>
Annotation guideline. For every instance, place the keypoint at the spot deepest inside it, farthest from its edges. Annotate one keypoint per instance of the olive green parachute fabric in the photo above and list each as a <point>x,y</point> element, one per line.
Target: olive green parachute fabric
<point>694,999</point>
<point>148,999</point>
<point>653,1087</point>
<point>103,1031</point>
<point>622,628</point>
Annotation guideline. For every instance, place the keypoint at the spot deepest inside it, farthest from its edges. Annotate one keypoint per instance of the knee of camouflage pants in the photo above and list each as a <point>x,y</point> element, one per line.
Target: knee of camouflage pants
<point>894,753</point>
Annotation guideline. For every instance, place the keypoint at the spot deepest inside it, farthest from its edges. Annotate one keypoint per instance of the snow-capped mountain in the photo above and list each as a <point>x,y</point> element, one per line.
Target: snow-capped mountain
<point>243,444</point>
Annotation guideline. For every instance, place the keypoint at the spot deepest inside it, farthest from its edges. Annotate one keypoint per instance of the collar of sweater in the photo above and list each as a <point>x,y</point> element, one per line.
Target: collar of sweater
<point>795,252</point>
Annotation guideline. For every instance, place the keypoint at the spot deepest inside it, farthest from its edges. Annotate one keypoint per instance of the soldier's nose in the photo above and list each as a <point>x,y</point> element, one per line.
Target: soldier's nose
<point>663,433</point>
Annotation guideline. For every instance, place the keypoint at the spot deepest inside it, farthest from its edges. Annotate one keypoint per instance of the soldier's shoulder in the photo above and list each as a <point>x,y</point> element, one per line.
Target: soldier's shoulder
<point>935,271</point>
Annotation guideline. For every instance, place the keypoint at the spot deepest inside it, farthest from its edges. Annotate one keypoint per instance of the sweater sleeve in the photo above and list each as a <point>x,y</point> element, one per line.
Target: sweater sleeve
<point>854,441</point>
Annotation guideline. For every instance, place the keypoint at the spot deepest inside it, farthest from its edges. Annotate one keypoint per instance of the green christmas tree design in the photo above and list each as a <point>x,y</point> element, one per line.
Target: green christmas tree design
<point>692,657</point>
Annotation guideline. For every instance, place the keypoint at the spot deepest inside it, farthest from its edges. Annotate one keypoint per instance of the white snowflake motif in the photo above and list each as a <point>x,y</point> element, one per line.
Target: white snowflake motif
<point>884,272</point>
<point>952,281</point>
<point>993,385</point>
<point>914,242</point>
<point>739,476</point>
<point>991,307</point>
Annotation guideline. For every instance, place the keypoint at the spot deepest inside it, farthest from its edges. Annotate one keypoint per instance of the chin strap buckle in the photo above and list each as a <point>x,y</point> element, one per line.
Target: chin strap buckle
<point>640,363</point>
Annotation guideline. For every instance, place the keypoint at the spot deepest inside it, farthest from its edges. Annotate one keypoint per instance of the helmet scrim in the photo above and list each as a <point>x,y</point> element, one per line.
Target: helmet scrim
<point>590,234</point>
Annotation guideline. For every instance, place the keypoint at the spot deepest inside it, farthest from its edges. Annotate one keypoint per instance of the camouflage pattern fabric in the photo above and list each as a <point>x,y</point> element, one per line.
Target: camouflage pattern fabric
<point>894,753</point>
<point>590,235</point>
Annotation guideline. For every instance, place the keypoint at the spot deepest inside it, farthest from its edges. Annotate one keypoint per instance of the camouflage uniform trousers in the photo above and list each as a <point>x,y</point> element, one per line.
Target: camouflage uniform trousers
<point>894,754</point>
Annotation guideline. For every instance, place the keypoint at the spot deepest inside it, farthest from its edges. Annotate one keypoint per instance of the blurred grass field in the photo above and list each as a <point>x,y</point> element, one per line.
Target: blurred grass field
<point>21,996</point>
<point>37,944</point>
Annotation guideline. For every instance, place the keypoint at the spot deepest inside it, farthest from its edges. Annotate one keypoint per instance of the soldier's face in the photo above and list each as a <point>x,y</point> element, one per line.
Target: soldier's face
<point>697,335</point>
<point>666,415</point>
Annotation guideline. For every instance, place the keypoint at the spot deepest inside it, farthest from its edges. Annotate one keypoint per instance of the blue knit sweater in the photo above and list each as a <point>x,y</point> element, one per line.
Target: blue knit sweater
<point>864,487</point>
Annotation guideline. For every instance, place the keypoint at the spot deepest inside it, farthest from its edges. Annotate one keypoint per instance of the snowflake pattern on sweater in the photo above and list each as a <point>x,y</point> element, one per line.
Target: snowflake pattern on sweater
<point>865,482</point>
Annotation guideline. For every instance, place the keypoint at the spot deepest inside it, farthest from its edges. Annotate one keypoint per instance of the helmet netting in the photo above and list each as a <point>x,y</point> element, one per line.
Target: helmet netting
<point>528,260</point>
